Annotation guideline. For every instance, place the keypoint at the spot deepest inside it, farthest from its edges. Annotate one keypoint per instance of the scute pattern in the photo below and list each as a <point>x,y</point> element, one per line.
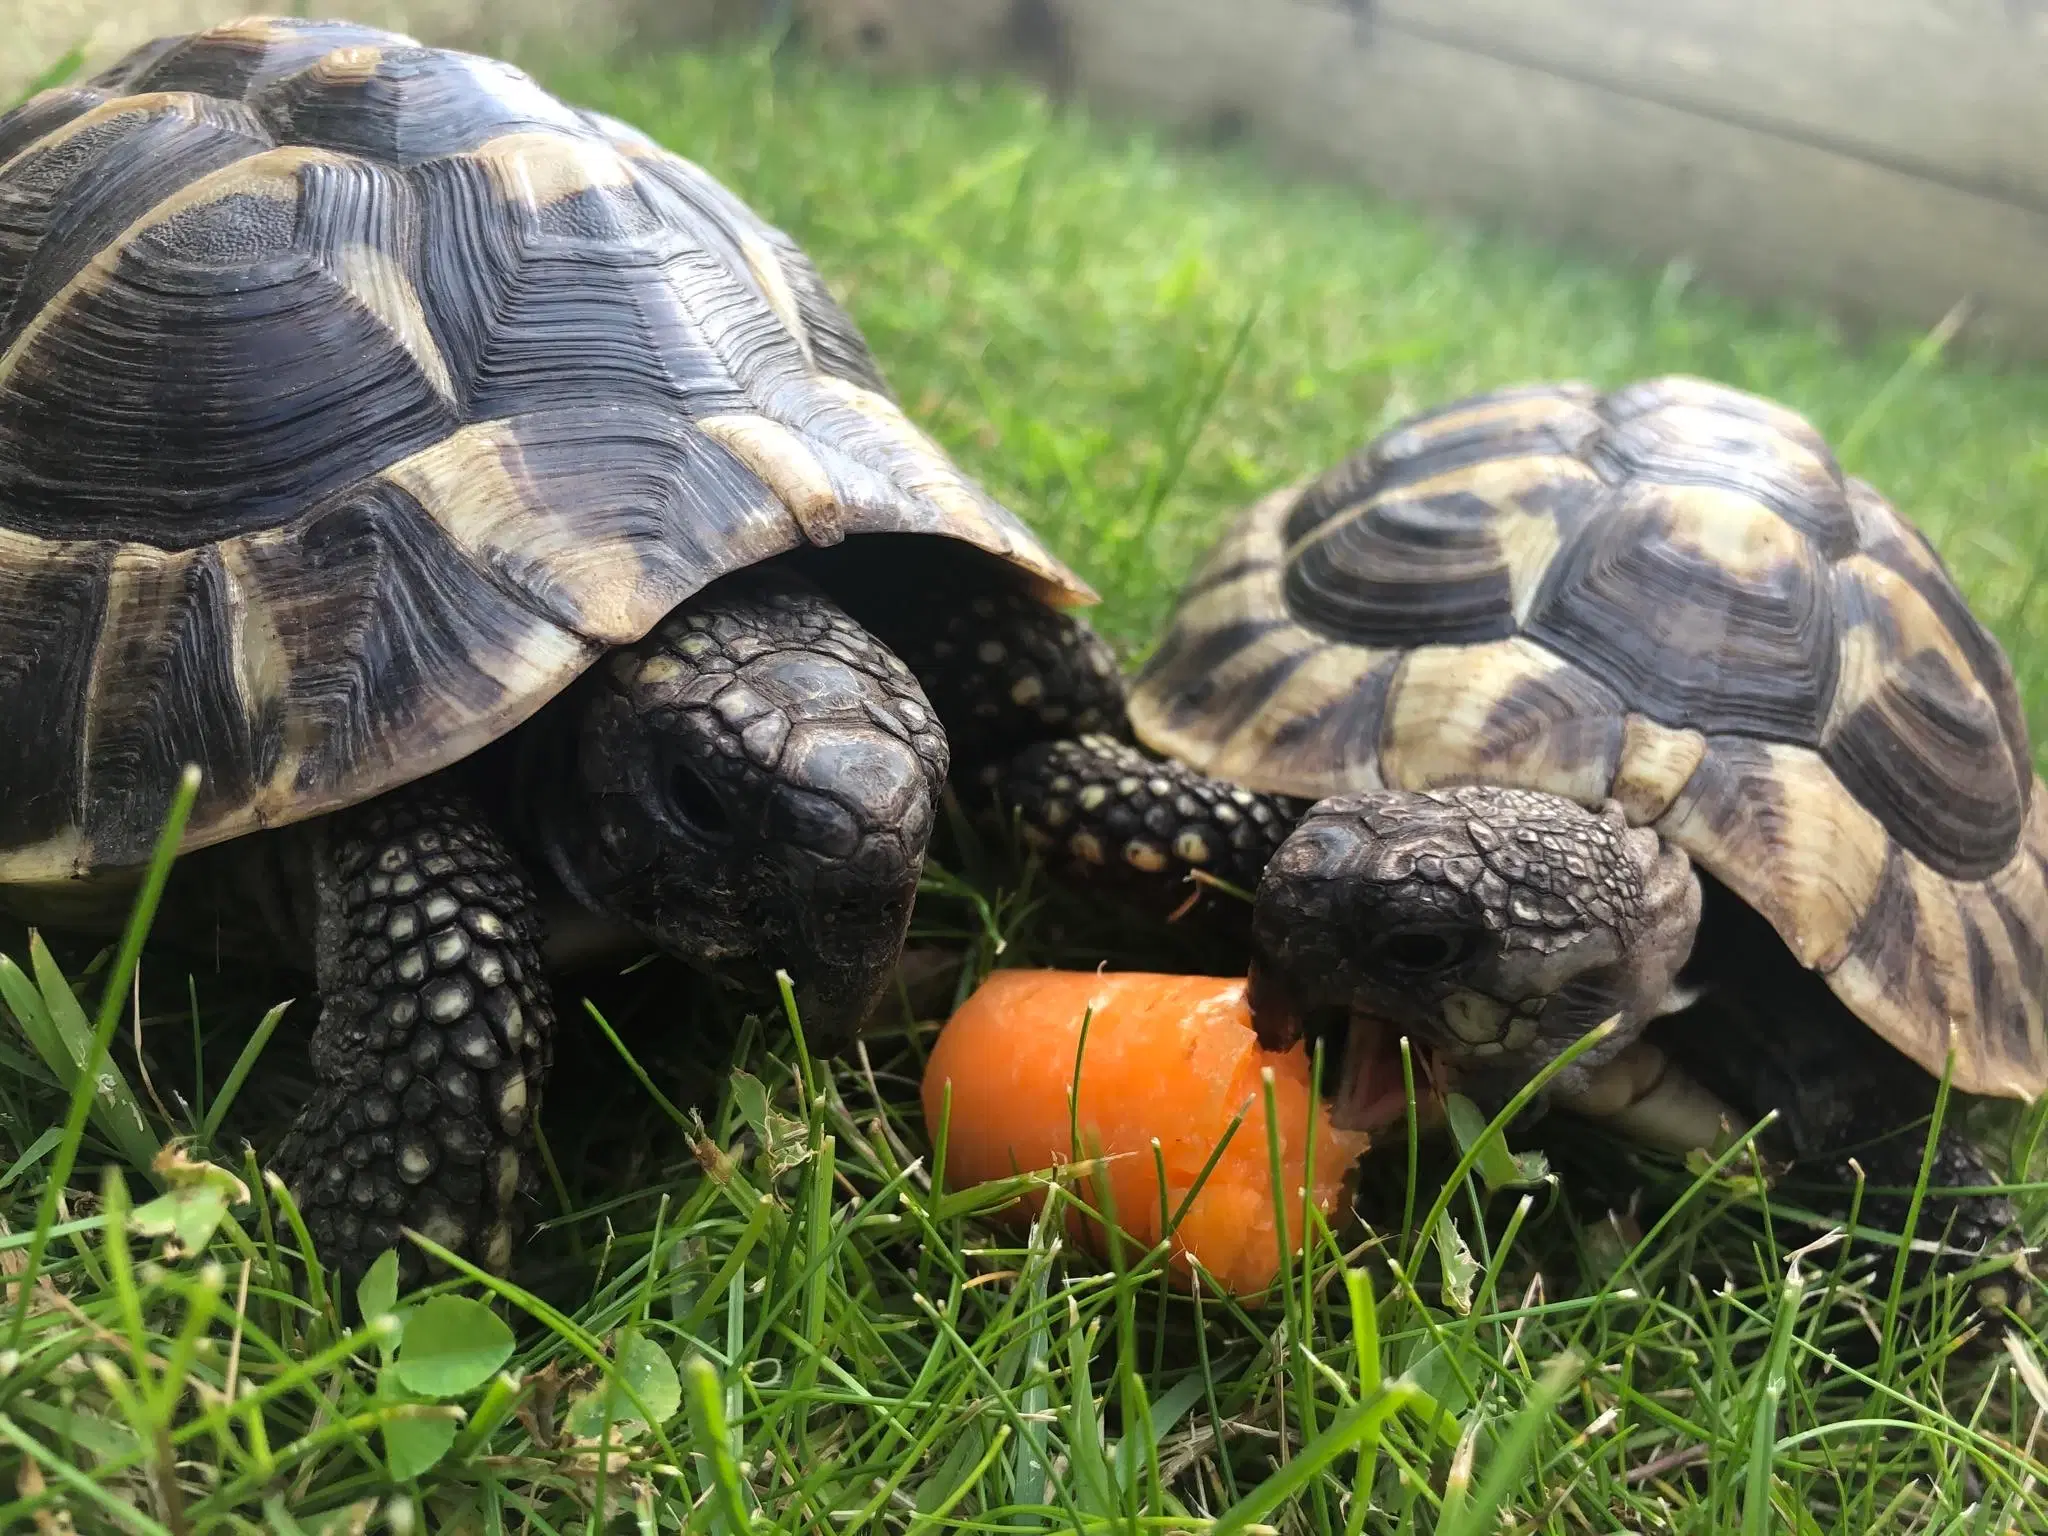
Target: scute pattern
<point>238,59</point>
<point>1699,607</point>
<point>354,395</point>
<point>1913,732</point>
<point>406,104</point>
<point>42,115</point>
<point>68,195</point>
<point>1670,595</point>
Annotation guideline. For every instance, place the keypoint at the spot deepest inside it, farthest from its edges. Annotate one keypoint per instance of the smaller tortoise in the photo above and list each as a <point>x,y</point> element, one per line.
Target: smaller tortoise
<point>1624,703</point>
<point>522,542</point>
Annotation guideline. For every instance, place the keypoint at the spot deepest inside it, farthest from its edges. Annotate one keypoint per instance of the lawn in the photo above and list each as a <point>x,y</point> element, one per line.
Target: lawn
<point>747,1307</point>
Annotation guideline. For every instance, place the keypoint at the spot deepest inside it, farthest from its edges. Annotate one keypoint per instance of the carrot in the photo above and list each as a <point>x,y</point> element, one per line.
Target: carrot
<point>1172,1057</point>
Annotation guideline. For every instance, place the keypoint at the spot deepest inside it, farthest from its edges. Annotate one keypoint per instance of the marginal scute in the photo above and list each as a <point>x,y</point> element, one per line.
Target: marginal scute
<point>1656,763</point>
<point>1244,663</point>
<point>357,657</point>
<point>784,463</point>
<point>1913,734</point>
<point>1190,692</point>
<point>162,691</point>
<point>1324,721</point>
<point>51,601</point>
<point>1774,824</point>
<point>867,431</point>
<point>1935,953</point>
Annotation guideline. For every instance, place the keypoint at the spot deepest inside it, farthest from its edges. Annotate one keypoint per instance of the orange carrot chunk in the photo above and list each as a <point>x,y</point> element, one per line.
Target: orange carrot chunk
<point>1171,1057</point>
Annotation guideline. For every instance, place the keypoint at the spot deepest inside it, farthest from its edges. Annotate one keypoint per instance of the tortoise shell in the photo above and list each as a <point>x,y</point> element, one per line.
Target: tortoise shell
<point>1672,596</point>
<point>354,397</point>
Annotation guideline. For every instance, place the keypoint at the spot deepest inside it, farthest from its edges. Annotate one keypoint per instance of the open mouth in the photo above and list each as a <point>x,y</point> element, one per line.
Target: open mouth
<point>1362,1057</point>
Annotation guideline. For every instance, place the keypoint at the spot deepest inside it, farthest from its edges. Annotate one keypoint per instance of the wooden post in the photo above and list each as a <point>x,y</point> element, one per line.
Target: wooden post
<point>1887,161</point>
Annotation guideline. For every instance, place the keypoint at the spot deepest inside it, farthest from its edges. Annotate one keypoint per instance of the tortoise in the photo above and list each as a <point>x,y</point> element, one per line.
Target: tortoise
<point>520,539</point>
<point>1554,705</point>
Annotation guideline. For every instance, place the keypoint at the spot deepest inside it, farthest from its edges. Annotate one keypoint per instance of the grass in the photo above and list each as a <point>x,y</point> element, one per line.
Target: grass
<point>750,1304</point>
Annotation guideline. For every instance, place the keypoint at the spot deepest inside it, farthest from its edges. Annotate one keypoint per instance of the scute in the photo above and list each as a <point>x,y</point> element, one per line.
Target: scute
<point>1700,607</point>
<point>240,58</point>
<point>1670,595</point>
<point>354,395</point>
<point>1914,733</point>
<point>530,313</point>
<point>1689,432</point>
<point>42,114</point>
<point>405,104</point>
<point>51,600</point>
<point>216,311</point>
<point>1939,963</point>
<point>70,194</point>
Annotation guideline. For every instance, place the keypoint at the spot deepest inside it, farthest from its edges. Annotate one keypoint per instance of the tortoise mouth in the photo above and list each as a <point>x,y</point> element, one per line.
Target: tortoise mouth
<point>1362,1059</point>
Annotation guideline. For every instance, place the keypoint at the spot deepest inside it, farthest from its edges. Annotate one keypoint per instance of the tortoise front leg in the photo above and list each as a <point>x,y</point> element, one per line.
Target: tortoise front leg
<point>436,1030</point>
<point>1107,815</point>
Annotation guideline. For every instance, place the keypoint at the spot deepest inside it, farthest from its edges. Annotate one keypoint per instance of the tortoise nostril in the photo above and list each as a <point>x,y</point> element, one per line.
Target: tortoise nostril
<point>883,911</point>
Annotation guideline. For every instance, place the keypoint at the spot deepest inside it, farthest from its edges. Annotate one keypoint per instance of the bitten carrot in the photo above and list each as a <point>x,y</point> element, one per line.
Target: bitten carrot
<point>1172,1057</point>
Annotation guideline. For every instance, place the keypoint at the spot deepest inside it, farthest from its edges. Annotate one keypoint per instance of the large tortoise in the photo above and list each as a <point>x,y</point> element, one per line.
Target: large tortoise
<point>1627,703</point>
<point>507,522</point>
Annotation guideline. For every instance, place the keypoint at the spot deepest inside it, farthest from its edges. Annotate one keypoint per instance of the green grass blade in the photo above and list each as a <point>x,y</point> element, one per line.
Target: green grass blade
<point>1346,1432</point>
<point>116,994</point>
<point>1756,1503</point>
<point>1481,1511</point>
<point>62,69</point>
<point>238,1074</point>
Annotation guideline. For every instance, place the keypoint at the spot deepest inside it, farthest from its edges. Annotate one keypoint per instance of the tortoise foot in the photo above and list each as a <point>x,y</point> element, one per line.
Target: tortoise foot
<point>1969,1229</point>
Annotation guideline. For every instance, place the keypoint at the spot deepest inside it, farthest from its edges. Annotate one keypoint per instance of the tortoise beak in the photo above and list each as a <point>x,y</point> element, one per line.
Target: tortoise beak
<point>1278,1016</point>
<point>852,945</point>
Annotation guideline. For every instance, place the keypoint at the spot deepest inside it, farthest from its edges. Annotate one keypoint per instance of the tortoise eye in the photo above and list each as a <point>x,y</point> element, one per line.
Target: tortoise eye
<point>1423,950</point>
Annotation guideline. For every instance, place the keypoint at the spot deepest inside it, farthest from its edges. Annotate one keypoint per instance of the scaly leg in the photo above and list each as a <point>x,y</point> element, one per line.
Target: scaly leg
<point>1110,816</point>
<point>436,1031</point>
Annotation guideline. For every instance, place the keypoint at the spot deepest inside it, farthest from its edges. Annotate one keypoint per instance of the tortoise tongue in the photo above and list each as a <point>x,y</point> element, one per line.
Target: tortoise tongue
<point>1370,1093</point>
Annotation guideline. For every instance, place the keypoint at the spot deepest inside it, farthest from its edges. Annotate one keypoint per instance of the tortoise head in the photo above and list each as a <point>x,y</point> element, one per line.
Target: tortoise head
<point>753,787</point>
<point>1492,926</point>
